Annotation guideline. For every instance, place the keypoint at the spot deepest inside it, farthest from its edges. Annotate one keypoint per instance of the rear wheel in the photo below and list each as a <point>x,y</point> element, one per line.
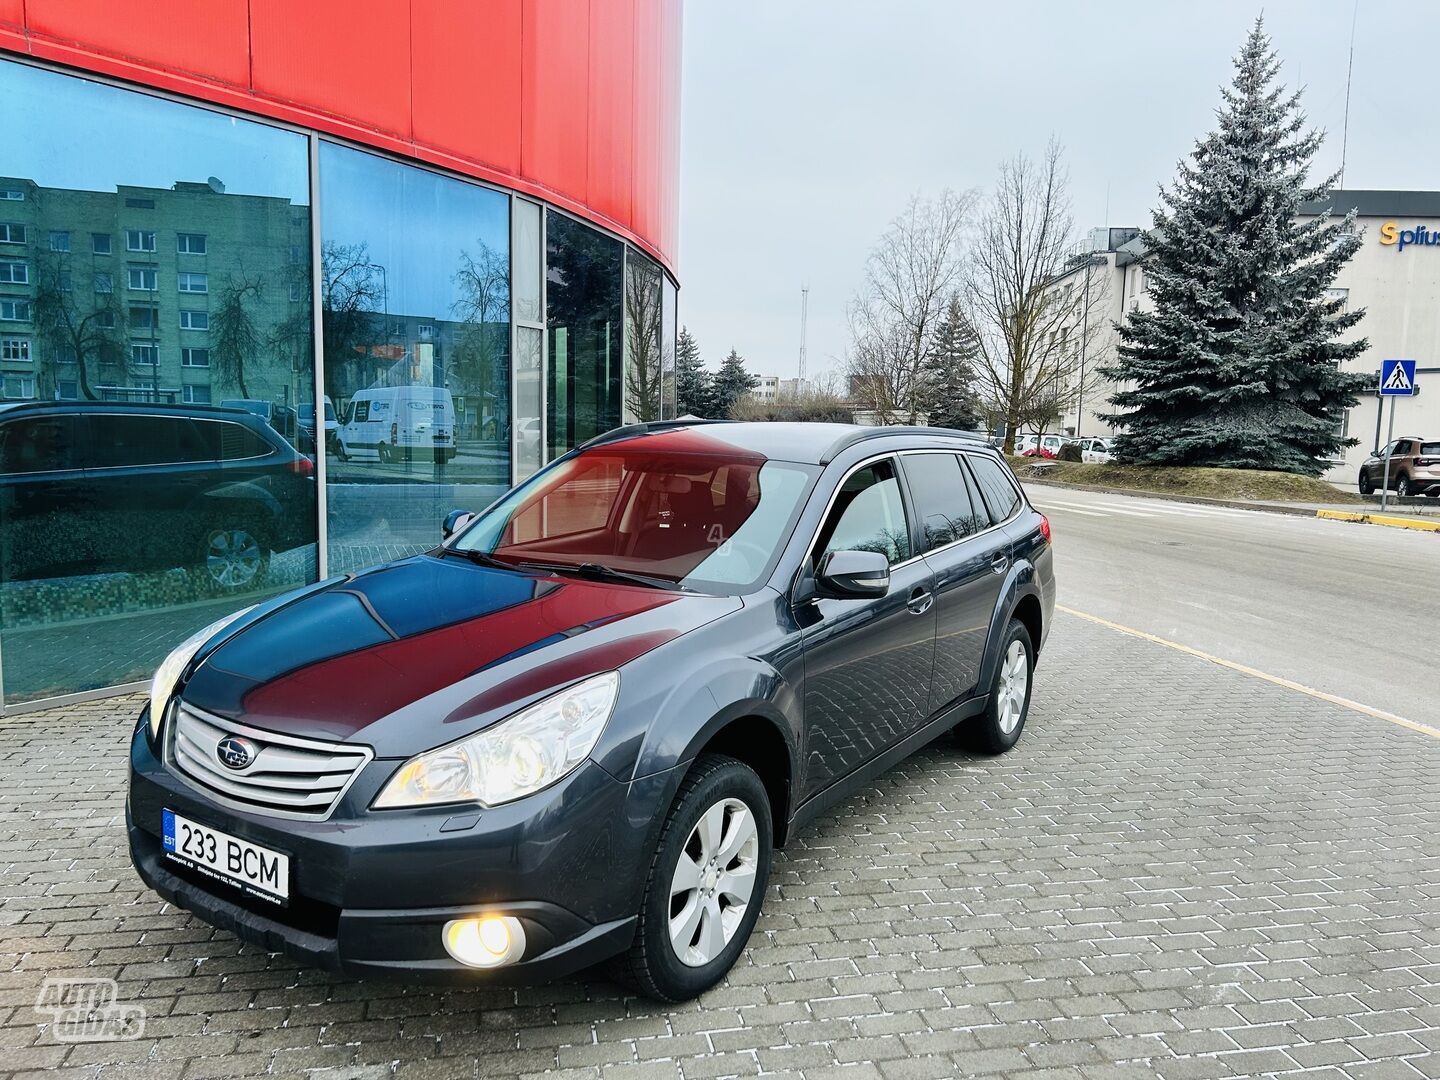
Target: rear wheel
<point>998,728</point>
<point>234,555</point>
<point>706,882</point>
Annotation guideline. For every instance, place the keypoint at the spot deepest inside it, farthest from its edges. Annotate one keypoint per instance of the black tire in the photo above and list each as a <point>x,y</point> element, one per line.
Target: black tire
<point>1366,486</point>
<point>385,454</point>
<point>652,965</point>
<point>987,732</point>
<point>1402,486</point>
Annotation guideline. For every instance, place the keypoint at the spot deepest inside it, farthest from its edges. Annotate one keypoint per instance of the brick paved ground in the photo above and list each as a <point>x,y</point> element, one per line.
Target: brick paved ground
<point>1180,872</point>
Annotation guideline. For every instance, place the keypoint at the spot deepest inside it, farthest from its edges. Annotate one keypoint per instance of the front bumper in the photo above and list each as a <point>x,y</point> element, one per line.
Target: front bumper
<point>372,890</point>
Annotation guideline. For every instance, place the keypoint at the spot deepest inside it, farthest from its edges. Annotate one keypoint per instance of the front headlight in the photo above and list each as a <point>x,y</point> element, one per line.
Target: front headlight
<point>162,686</point>
<point>520,755</point>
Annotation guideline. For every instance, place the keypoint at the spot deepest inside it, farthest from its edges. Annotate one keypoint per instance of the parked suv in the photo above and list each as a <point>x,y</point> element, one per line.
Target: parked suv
<point>93,486</point>
<point>1414,467</point>
<point>576,730</point>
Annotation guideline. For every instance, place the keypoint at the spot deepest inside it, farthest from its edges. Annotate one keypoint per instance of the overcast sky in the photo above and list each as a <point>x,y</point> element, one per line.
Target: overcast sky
<point>807,125</point>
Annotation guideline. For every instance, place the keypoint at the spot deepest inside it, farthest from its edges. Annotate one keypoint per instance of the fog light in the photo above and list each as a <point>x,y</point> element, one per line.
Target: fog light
<point>487,941</point>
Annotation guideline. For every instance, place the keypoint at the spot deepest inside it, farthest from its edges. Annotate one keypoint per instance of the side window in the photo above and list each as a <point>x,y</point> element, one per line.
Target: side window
<point>44,444</point>
<point>121,441</point>
<point>868,515</point>
<point>362,410</point>
<point>945,499</point>
<point>996,487</point>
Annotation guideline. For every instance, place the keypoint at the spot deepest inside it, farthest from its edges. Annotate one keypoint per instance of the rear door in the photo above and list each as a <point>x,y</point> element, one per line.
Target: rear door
<point>967,559</point>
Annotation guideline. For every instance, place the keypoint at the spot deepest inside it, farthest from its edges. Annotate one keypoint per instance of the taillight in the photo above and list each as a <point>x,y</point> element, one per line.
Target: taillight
<point>302,466</point>
<point>394,434</point>
<point>1045,528</point>
<point>1426,461</point>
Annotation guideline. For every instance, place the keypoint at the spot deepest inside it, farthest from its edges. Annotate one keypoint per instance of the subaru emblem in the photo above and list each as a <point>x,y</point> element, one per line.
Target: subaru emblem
<point>234,752</point>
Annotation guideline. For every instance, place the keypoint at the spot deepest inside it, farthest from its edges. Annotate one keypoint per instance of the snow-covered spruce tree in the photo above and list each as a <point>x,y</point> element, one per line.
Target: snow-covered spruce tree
<point>1239,364</point>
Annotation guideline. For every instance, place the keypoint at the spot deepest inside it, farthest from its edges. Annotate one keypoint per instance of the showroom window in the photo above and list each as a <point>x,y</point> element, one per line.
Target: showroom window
<point>643,362</point>
<point>584,286</point>
<point>424,417</point>
<point>94,154</point>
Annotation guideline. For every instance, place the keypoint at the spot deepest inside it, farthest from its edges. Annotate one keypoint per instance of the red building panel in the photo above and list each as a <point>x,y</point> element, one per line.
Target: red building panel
<point>212,41</point>
<point>465,79</point>
<point>575,101</point>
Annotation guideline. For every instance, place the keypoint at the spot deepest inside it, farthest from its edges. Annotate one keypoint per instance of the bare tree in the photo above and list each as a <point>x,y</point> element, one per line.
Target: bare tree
<point>73,330</point>
<point>895,317</point>
<point>1026,324</point>
<point>642,338</point>
<point>352,295</point>
<point>236,339</point>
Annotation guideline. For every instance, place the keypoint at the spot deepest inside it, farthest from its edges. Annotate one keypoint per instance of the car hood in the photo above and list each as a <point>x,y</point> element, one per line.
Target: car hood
<point>416,653</point>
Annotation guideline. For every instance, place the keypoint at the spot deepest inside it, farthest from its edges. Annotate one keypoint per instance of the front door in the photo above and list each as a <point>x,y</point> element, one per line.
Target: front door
<point>867,662</point>
<point>968,561</point>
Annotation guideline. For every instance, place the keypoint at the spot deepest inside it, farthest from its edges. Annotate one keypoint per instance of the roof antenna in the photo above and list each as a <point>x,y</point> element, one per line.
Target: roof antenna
<point>1349,68</point>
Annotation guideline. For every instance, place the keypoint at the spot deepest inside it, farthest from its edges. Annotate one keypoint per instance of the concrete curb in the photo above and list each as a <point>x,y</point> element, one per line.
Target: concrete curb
<point>1199,500</point>
<point>1379,519</point>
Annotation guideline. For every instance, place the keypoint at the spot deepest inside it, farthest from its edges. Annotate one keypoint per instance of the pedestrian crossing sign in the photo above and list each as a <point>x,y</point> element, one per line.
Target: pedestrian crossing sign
<point>1397,378</point>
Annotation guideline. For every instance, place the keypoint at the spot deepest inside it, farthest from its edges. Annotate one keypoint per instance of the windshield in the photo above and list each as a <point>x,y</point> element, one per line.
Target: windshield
<point>711,521</point>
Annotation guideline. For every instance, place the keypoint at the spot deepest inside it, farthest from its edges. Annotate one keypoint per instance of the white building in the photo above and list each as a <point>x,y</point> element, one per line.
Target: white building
<point>773,387</point>
<point>1395,276</point>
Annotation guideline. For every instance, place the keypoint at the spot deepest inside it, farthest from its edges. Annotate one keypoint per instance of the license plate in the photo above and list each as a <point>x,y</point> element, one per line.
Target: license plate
<point>251,868</point>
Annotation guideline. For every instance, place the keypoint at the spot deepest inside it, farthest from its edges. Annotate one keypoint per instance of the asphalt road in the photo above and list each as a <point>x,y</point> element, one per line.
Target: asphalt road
<point>1343,608</point>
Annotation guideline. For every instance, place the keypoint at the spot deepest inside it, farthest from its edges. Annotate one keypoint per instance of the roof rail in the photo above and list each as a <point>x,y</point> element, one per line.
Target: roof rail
<point>631,430</point>
<point>862,434</point>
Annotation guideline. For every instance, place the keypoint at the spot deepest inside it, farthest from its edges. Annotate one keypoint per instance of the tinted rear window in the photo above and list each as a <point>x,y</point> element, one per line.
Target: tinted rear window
<point>1430,449</point>
<point>996,486</point>
<point>948,507</point>
<point>122,441</point>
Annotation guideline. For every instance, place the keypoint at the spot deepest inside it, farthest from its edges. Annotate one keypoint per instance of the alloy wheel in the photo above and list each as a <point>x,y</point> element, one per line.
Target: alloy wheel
<point>714,882</point>
<point>233,557</point>
<point>1013,686</point>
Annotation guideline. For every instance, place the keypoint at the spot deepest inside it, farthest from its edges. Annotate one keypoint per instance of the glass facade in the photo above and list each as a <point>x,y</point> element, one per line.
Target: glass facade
<point>162,453</point>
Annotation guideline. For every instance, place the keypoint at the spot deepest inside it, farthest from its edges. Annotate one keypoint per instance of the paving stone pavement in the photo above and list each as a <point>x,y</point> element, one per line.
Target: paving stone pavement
<point>1179,872</point>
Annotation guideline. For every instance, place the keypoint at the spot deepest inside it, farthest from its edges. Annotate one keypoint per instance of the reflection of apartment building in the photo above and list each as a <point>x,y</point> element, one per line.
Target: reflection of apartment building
<point>139,283</point>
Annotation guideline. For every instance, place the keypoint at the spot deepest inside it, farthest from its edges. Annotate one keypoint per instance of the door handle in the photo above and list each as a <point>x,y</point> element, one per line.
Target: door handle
<point>920,600</point>
<point>1000,562</point>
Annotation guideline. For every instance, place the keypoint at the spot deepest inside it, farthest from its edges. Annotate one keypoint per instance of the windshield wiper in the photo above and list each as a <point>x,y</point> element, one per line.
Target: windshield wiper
<point>476,557</point>
<point>601,572</point>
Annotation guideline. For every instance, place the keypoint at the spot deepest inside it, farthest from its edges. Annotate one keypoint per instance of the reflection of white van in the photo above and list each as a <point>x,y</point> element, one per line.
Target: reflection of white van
<point>387,419</point>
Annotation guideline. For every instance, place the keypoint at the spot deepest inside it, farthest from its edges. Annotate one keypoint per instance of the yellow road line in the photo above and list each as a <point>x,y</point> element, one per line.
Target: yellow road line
<point>1378,519</point>
<point>1254,673</point>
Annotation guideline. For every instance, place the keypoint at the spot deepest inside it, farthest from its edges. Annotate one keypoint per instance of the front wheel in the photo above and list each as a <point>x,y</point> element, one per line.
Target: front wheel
<point>1366,485</point>
<point>1402,487</point>
<point>235,556</point>
<point>998,728</point>
<point>706,883</point>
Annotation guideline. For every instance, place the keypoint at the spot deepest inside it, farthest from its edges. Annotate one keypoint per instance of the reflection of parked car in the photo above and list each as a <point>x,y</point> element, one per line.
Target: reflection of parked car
<point>1414,468</point>
<point>577,730</point>
<point>527,434</point>
<point>393,421</point>
<point>1046,446</point>
<point>87,487</point>
<point>306,412</point>
<point>282,418</point>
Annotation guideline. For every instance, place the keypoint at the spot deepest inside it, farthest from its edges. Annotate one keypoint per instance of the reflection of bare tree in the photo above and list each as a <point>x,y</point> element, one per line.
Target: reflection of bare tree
<point>482,346</point>
<point>642,337</point>
<point>351,293</point>
<point>235,339</point>
<point>72,331</point>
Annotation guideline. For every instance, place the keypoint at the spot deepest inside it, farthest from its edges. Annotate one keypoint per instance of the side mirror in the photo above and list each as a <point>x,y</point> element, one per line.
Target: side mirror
<point>454,521</point>
<point>854,575</point>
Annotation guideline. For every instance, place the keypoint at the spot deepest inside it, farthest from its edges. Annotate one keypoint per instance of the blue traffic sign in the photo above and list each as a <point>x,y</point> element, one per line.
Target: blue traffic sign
<point>1397,378</point>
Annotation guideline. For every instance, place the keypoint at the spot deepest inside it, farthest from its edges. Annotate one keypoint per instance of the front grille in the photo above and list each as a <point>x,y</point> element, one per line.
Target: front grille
<point>287,776</point>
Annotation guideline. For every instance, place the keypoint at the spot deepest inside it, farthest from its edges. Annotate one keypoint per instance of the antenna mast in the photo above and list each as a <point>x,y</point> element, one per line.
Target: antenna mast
<point>804,314</point>
<point>1349,68</point>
